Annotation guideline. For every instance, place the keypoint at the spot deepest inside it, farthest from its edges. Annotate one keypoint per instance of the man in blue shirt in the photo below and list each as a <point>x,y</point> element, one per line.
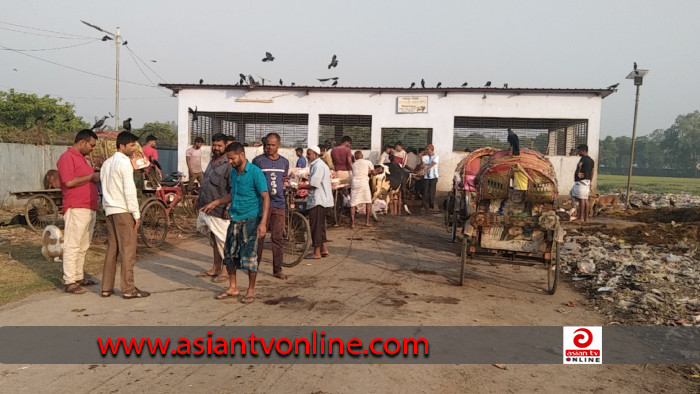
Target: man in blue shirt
<point>301,161</point>
<point>275,168</point>
<point>249,216</point>
<point>320,197</point>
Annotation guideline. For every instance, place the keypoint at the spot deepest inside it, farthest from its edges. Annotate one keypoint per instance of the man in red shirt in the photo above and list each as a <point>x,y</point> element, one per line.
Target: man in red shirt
<point>343,159</point>
<point>79,188</point>
<point>149,150</point>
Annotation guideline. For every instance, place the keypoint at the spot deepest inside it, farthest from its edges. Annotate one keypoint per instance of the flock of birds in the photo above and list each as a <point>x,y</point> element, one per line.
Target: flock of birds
<point>100,122</point>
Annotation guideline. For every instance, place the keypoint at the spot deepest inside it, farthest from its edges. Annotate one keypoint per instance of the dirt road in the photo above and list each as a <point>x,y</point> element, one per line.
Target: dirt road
<point>401,272</point>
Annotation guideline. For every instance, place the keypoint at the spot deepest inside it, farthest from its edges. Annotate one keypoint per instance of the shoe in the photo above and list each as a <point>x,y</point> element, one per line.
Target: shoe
<point>74,288</point>
<point>136,294</point>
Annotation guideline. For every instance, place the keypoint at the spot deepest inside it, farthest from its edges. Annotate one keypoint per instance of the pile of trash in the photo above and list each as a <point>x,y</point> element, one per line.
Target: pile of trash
<point>635,284</point>
<point>684,200</point>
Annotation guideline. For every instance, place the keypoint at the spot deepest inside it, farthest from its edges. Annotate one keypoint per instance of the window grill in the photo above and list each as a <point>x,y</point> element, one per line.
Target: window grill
<point>332,128</point>
<point>548,136</point>
<point>251,127</point>
<point>409,137</point>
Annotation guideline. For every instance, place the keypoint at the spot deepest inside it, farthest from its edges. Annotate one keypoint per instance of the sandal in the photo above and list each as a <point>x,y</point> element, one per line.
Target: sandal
<point>136,294</point>
<point>106,294</point>
<point>74,288</point>
<point>247,299</point>
<point>225,295</point>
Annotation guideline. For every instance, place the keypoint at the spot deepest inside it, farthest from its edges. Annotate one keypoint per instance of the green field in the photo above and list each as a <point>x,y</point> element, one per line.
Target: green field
<point>608,184</point>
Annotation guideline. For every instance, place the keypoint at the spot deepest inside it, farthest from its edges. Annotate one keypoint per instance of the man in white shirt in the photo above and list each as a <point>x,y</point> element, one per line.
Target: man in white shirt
<point>360,193</point>
<point>194,164</point>
<point>430,162</point>
<point>320,197</point>
<point>123,217</point>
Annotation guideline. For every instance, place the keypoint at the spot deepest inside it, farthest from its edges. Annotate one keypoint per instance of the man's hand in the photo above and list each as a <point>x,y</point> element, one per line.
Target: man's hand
<point>580,175</point>
<point>262,230</point>
<point>209,207</point>
<point>137,223</point>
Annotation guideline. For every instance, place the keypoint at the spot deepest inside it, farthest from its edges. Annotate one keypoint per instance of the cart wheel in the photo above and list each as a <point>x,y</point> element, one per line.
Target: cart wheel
<point>449,214</point>
<point>155,223</point>
<point>553,269</point>
<point>40,212</point>
<point>464,257</point>
<point>99,233</point>
<point>185,214</point>
<point>297,239</point>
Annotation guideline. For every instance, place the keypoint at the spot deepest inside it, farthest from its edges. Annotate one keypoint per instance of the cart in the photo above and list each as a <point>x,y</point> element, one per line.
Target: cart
<point>43,207</point>
<point>514,221</point>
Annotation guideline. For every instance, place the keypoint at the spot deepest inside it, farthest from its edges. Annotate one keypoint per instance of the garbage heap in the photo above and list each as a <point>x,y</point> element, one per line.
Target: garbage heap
<point>635,284</point>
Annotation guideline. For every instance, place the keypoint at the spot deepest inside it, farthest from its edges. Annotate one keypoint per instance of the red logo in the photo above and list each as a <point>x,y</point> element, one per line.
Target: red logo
<point>584,339</point>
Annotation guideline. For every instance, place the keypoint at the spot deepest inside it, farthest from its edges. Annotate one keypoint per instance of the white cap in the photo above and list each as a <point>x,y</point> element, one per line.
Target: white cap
<point>315,149</point>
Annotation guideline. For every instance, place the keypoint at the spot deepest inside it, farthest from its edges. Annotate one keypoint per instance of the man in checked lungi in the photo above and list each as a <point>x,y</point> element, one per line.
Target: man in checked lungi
<point>249,215</point>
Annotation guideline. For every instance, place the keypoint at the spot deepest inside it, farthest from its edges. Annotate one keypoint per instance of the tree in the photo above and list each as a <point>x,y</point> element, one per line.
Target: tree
<point>166,133</point>
<point>607,155</point>
<point>681,142</point>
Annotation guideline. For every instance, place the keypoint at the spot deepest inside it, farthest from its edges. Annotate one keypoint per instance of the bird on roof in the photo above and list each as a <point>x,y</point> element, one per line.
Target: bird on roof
<point>201,81</point>
<point>488,83</point>
<point>335,83</point>
<point>334,62</point>
<point>323,80</point>
<point>438,84</point>
<point>334,78</point>
<point>293,84</point>
<point>514,142</point>
<point>464,85</point>
<point>412,85</point>
<point>242,76</point>
<point>505,86</point>
<point>251,81</point>
<point>268,57</point>
<point>106,37</point>
<point>281,83</point>
<point>422,82</point>
<point>125,42</point>
<point>193,112</point>
<point>614,86</point>
<point>127,124</point>
<point>635,66</point>
<point>99,123</point>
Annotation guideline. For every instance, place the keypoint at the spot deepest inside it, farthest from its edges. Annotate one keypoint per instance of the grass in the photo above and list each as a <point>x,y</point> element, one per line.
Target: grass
<point>608,184</point>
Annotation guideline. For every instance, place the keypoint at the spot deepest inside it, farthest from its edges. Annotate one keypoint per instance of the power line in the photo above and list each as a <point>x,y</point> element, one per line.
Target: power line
<point>44,35</point>
<point>139,67</point>
<point>77,69</point>
<point>35,28</point>
<point>51,49</point>
<point>145,64</point>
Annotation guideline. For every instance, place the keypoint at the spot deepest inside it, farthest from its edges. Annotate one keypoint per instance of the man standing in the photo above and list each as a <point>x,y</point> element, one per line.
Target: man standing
<point>385,157</point>
<point>301,161</point>
<point>123,217</point>
<point>399,154</point>
<point>275,168</point>
<point>360,192</point>
<point>430,162</point>
<point>582,182</point>
<point>149,150</point>
<point>342,159</point>
<point>193,156</point>
<point>213,224</point>
<point>249,217</point>
<point>79,188</point>
<point>320,197</point>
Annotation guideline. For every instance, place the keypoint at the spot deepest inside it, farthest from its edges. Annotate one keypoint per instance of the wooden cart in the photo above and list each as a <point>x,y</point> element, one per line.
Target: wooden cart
<point>514,221</point>
<point>43,207</point>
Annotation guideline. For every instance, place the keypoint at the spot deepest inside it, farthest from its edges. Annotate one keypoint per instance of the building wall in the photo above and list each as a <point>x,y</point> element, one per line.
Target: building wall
<point>23,167</point>
<point>382,106</point>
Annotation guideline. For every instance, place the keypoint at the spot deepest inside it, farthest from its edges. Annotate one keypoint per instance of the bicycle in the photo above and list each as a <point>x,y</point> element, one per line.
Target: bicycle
<point>297,231</point>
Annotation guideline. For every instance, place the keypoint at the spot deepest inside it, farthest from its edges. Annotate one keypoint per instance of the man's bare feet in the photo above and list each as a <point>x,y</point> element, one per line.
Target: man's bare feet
<point>280,275</point>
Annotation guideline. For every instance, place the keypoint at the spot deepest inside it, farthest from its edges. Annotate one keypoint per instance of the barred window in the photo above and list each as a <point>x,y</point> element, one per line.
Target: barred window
<point>409,137</point>
<point>332,128</point>
<point>251,127</point>
<point>553,137</point>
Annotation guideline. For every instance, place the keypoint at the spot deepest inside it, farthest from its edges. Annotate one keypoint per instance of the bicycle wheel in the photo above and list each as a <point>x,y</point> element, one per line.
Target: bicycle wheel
<point>100,234</point>
<point>185,214</point>
<point>155,223</point>
<point>449,210</point>
<point>553,269</point>
<point>40,212</point>
<point>297,239</point>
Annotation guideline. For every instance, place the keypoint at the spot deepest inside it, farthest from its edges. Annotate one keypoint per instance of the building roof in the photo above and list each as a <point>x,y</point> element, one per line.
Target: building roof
<point>177,87</point>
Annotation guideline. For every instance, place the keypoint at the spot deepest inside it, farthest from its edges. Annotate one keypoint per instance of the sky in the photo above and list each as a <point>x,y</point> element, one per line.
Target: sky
<point>45,49</point>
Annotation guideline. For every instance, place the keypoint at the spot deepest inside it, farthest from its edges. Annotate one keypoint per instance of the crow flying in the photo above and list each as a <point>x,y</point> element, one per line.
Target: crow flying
<point>193,112</point>
<point>334,62</point>
<point>268,57</point>
<point>127,124</point>
<point>105,38</point>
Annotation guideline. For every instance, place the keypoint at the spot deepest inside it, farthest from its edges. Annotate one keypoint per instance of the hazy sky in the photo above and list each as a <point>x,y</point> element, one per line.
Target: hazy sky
<point>529,44</point>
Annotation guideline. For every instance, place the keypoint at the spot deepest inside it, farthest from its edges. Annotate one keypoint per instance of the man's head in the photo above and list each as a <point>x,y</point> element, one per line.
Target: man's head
<point>421,151</point>
<point>299,151</point>
<point>235,154</point>
<point>582,150</point>
<point>346,141</point>
<point>127,143</point>
<point>229,140</point>
<point>313,153</point>
<point>430,149</point>
<point>151,141</point>
<point>219,142</point>
<point>198,142</point>
<point>398,146</point>
<point>358,155</point>
<point>388,149</point>
<point>85,141</point>
<point>272,144</point>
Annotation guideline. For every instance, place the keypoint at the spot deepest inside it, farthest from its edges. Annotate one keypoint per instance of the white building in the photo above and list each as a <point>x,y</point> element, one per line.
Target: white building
<point>552,121</point>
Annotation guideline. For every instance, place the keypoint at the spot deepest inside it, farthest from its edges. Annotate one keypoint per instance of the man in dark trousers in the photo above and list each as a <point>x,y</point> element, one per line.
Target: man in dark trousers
<point>275,168</point>
<point>320,197</point>
<point>582,178</point>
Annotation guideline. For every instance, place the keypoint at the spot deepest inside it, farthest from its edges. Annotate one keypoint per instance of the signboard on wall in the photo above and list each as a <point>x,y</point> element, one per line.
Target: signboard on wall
<point>412,104</point>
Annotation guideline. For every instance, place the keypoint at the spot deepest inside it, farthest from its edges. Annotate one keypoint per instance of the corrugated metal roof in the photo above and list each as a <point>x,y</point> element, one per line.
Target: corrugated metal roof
<point>176,87</point>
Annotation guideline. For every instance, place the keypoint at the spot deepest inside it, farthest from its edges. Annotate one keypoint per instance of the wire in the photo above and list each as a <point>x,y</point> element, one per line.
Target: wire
<point>51,49</point>
<point>45,35</point>
<point>146,64</point>
<point>35,28</point>
<point>77,69</point>
<point>139,67</point>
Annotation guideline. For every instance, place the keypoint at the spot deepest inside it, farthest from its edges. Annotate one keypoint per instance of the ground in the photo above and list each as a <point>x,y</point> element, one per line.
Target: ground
<point>401,272</point>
